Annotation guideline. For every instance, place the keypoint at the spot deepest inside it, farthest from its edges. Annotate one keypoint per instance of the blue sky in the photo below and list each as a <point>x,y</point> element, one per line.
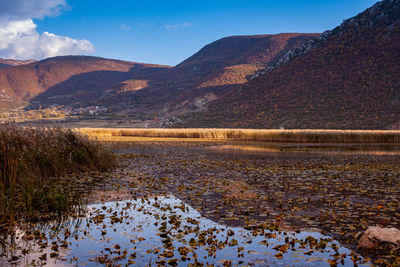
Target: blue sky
<point>167,32</point>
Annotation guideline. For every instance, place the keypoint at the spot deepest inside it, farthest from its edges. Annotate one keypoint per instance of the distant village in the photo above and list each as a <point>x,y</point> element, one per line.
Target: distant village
<point>90,110</point>
<point>51,112</point>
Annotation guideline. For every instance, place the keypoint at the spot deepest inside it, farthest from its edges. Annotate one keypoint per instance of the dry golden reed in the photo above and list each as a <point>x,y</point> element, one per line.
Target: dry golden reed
<point>300,136</point>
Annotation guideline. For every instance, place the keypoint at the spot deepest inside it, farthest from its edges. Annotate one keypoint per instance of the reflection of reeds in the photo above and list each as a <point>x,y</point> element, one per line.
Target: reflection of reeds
<point>29,158</point>
<point>301,136</point>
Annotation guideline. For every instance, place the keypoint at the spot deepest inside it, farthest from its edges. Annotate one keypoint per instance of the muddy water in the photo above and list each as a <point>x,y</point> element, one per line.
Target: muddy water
<point>306,150</point>
<point>248,150</point>
<point>164,230</point>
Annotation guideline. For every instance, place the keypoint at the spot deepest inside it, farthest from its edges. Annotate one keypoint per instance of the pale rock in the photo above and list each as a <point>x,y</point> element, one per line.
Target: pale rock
<point>375,235</point>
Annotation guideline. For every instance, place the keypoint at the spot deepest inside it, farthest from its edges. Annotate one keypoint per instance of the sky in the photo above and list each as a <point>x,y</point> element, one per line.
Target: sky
<point>154,31</point>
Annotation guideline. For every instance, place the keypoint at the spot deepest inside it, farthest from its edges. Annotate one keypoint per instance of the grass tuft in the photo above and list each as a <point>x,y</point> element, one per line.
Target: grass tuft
<point>30,159</point>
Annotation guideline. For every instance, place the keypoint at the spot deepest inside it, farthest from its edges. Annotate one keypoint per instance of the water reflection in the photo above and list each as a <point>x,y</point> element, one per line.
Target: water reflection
<point>164,230</point>
<point>308,149</point>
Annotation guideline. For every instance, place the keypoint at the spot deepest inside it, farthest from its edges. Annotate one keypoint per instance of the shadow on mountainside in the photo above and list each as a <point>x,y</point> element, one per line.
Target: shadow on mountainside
<point>88,87</point>
<point>149,88</point>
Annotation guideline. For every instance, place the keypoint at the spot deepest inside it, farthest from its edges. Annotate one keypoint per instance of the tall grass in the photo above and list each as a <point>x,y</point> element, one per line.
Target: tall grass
<point>30,159</point>
<point>300,136</point>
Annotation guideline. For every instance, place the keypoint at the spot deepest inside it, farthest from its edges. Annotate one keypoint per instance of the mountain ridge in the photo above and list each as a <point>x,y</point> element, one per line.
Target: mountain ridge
<point>350,80</point>
<point>216,68</point>
<point>5,63</point>
<point>208,74</point>
<point>27,82</point>
<point>289,80</point>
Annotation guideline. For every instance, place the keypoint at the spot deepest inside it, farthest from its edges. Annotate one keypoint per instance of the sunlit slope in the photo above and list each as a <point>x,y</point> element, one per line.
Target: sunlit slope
<point>351,80</point>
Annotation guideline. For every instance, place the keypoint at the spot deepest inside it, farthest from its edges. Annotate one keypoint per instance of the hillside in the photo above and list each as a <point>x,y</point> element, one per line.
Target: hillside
<point>5,63</point>
<point>256,50</point>
<point>349,78</point>
<point>145,88</point>
<point>209,73</point>
<point>67,79</point>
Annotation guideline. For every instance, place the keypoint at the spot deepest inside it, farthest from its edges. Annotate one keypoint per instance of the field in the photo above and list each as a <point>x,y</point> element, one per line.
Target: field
<point>299,136</point>
<point>228,197</point>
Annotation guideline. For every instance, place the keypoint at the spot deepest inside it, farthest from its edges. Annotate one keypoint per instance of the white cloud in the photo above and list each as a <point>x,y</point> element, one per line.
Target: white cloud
<point>174,27</point>
<point>20,40</point>
<point>125,27</point>
<point>23,9</point>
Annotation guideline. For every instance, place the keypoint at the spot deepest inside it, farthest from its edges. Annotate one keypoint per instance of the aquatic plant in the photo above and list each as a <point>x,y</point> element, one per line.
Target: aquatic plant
<point>301,136</point>
<point>30,159</point>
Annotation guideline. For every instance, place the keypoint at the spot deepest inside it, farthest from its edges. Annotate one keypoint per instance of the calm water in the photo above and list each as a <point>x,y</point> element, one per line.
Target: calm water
<point>298,150</point>
<point>162,230</point>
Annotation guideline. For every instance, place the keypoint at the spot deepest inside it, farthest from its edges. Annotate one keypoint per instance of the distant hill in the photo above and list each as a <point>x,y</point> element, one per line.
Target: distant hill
<point>348,78</point>
<point>67,79</point>
<point>5,63</point>
<point>189,86</point>
<point>2,65</point>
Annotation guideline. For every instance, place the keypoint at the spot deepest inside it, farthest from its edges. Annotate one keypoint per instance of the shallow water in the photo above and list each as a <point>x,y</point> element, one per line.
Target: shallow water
<point>162,230</point>
<point>306,150</point>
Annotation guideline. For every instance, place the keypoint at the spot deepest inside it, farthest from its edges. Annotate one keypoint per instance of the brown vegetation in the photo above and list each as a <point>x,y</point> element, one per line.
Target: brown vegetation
<point>340,194</point>
<point>67,79</point>
<point>350,82</point>
<point>5,63</point>
<point>302,136</point>
<point>31,158</point>
<point>216,68</point>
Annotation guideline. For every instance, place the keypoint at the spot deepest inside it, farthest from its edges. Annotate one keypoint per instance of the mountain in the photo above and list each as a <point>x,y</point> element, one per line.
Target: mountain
<point>67,79</point>
<point>349,78</point>
<point>147,88</point>
<point>5,63</point>
<point>209,73</point>
<point>346,78</point>
<point>256,50</point>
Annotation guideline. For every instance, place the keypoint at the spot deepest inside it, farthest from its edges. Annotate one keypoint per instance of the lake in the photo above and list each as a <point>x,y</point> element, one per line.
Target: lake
<point>165,230</point>
<point>222,203</point>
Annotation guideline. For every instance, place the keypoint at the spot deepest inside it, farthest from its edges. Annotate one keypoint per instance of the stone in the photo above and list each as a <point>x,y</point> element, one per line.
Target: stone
<point>375,236</point>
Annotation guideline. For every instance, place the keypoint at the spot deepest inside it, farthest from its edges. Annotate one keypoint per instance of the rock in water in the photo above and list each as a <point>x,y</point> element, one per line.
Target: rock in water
<point>375,236</point>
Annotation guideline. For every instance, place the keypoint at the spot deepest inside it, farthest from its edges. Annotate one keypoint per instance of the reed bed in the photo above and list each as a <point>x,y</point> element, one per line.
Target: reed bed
<point>29,161</point>
<point>296,136</point>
